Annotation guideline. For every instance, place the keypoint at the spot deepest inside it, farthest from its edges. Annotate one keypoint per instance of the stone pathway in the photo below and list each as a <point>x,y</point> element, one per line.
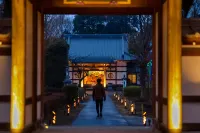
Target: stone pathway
<point>99,129</point>
<point>111,117</point>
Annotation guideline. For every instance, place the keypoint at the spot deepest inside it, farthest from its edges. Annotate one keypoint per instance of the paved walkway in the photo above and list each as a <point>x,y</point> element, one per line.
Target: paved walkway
<point>111,117</point>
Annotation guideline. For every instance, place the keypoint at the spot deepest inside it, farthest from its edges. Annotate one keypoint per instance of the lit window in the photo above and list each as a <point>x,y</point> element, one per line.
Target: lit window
<point>132,78</point>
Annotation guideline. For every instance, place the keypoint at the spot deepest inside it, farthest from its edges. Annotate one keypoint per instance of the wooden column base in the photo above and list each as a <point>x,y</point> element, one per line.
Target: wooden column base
<point>28,129</point>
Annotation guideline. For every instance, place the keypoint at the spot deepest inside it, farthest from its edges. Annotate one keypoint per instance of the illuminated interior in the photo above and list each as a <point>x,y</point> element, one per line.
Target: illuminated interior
<point>132,78</point>
<point>92,77</point>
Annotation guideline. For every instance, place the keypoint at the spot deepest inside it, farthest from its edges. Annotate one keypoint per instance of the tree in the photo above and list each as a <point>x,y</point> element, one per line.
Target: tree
<point>7,12</point>
<point>140,45</point>
<point>194,11</point>
<point>87,24</point>
<point>55,62</point>
<point>104,24</point>
<point>56,26</point>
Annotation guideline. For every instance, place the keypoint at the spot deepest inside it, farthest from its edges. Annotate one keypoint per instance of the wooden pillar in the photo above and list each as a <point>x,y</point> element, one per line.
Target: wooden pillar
<point>34,63</point>
<point>155,101</point>
<point>174,73</point>
<point>5,80</point>
<point>29,83</point>
<point>40,66</point>
<point>17,113</point>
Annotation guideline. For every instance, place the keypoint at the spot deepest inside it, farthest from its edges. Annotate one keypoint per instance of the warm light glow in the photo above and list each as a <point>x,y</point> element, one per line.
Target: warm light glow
<point>125,104</point>
<point>17,112</point>
<point>194,43</point>
<point>46,126</point>
<point>144,118</point>
<point>78,100</point>
<point>68,109</point>
<point>54,117</point>
<point>82,83</point>
<point>104,82</point>
<point>174,65</point>
<point>175,117</point>
<point>118,98</point>
<point>122,100</point>
<point>74,103</point>
<point>132,108</point>
<point>114,94</point>
<point>0,43</point>
<point>97,2</point>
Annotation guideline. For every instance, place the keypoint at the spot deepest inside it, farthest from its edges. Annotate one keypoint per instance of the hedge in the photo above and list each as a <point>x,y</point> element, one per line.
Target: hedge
<point>81,92</point>
<point>132,91</point>
<point>71,92</point>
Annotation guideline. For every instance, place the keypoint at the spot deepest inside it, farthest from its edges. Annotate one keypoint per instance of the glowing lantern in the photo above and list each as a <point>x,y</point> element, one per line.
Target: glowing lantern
<point>46,126</point>
<point>74,103</point>
<point>78,101</point>
<point>82,98</point>
<point>122,100</point>
<point>114,94</point>
<point>68,109</point>
<point>125,104</point>
<point>54,117</point>
<point>132,108</point>
<point>0,43</point>
<point>118,98</point>
<point>144,118</point>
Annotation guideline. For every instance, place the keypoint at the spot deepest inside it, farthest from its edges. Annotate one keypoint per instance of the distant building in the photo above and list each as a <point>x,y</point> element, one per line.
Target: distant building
<point>103,56</point>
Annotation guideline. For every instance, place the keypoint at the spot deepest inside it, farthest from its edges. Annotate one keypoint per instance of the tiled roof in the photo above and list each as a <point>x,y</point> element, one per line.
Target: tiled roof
<point>97,45</point>
<point>93,60</point>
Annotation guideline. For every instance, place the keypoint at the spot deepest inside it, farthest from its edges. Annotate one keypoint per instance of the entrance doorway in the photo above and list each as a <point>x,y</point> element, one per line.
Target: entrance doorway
<point>36,10</point>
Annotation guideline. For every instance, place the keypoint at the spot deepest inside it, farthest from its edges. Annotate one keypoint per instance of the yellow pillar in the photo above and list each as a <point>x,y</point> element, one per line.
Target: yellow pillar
<point>104,82</point>
<point>18,66</point>
<point>174,66</point>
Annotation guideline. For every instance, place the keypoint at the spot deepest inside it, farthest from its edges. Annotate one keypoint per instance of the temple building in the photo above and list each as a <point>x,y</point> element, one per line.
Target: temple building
<point>102,56</point>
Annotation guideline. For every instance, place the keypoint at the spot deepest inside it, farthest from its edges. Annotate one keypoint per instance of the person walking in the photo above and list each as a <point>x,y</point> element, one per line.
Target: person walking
<point>99,96</point>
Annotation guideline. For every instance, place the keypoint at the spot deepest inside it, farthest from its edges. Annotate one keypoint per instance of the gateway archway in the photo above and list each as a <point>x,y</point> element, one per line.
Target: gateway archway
<point>27,68</point>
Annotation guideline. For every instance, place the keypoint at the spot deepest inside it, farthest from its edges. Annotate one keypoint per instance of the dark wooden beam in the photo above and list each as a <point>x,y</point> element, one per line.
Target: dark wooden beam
<point>5,98</point>
<point>191,126</point>
<point>34,55</point>
<point>99,11</point>
<point>4,126</point>
<point>186,51</point>
<point>5,50</point>
<point>160,66</point>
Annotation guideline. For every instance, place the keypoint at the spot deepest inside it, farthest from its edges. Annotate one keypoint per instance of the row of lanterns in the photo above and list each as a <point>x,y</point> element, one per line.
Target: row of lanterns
<point>67,111</point>
<point>75,104</point>
<point>132,108</point>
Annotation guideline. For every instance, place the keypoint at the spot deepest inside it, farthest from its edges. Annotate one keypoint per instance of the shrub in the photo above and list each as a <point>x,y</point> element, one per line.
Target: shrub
<point>132,91</point>
<point>117,87</point>
<point>71,92</point>
<point>81,92</point>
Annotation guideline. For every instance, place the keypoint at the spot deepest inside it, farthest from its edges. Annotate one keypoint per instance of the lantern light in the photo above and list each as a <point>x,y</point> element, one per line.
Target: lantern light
<point>78,101</point>
<point>132,108</point>
<point>114,94</point>
<point>144,118</point>
<point>74,103</point>
<point>68,109</point>
<point>118,98</point>
<point>45,126</point>
<point>82,98</point>
<point>122,100</point>
<point>125,104</point>
<point>54,117</point>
